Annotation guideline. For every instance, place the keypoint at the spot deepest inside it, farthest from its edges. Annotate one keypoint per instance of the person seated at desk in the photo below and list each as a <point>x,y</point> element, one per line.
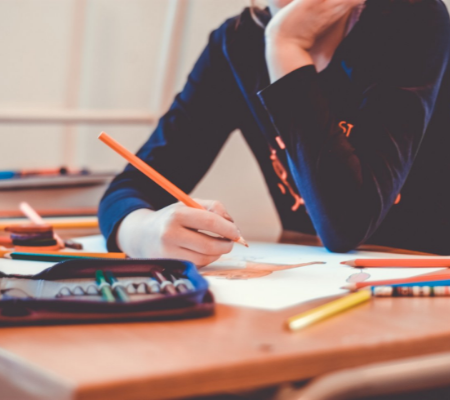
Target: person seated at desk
<point>345,105</point>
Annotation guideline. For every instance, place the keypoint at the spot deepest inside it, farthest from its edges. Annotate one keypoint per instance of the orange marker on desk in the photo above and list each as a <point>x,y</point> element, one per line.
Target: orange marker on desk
<point>436,262</point>
<point>154,175</point>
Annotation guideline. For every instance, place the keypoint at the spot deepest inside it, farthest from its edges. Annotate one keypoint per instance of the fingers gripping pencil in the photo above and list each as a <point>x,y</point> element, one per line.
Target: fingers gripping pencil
<point>154,175</point>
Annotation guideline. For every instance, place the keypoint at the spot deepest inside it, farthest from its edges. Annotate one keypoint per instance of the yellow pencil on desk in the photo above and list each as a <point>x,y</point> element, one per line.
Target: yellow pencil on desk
<point>328,310</point>
<point>79,223</point>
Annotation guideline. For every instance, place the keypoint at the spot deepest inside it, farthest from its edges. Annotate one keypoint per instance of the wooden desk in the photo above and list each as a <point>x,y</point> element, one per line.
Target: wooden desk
<point>235,349</point>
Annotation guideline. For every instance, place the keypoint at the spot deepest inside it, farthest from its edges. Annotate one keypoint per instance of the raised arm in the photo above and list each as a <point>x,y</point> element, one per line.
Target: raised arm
<point>349,183</point>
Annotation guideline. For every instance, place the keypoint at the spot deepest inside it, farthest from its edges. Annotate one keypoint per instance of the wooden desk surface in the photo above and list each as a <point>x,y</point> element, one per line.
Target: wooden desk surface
<point>237,348</point>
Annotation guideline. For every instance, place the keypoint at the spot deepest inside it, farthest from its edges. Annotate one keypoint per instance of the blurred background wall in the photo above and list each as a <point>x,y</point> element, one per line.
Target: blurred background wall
<point>105,55</point>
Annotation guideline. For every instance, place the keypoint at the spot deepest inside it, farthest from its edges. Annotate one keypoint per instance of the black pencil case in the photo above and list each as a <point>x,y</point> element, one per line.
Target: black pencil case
<point>66,293</point>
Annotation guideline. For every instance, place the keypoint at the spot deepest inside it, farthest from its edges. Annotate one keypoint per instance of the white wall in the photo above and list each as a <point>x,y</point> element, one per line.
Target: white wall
<point>120,44</point>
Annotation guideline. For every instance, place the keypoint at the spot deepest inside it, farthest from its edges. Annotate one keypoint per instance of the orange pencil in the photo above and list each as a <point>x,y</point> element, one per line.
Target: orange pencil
<point>436,262</point>
<point>389,282</point>
<point>60,223</point>
<point>154,175</point>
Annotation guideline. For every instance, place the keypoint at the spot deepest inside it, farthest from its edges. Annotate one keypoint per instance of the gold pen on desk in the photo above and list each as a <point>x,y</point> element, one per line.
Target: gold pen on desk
<point>328,310</point>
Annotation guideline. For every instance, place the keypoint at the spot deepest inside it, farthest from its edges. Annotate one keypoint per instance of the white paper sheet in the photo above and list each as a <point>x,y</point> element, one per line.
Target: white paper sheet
<point>94,244</point>
<point>286,288</point>
<point>278,289</point>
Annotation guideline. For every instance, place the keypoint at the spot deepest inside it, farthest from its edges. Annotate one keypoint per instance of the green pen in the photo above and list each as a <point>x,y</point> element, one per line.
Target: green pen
<point>43,257</point>
<point>104,287</point>
<point>117,288</point>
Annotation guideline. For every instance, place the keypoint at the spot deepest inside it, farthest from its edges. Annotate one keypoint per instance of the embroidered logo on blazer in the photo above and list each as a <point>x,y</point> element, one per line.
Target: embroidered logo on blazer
<point>346,127</point>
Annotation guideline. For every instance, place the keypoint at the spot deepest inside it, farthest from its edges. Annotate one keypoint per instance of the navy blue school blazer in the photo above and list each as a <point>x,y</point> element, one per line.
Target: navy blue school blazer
<point>358,153</point>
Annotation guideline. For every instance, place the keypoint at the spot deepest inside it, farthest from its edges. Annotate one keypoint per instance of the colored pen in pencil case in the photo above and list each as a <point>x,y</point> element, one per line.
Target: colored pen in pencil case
<point>104,287</point>
<point>411,291</point>
<point>180,285</point>
<point>167,286</point>
<point>117,287</point>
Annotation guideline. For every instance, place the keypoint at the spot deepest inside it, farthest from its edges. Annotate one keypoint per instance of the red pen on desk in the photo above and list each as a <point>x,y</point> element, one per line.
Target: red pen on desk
<point>389,282</point>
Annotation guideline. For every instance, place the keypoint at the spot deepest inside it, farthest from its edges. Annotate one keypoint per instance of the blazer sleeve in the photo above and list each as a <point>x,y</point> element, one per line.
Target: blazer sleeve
<point>184,144</point>
<point>350,183</point>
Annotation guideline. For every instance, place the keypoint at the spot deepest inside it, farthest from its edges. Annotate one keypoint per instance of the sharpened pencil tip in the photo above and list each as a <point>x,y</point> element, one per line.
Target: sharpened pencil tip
<point>350,263</point>
<point>242,241</point>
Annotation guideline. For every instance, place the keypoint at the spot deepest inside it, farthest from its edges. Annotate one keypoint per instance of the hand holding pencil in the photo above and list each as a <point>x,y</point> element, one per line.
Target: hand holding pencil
<point>175,231</point>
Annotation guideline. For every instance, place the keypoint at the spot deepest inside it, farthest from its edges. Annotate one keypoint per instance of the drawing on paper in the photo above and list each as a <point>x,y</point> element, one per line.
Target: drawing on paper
<point>360,276</point>
<point>252,270</point>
